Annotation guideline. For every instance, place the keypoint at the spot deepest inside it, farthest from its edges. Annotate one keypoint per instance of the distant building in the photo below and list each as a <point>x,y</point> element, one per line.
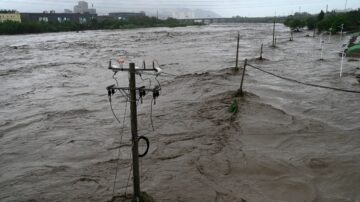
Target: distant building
<point>125,15</point>
<point>342,10</point>
<point>9,16</point>
<point>67,11</point>
<point>91,11</point>
<point>58,17</point>
<point>83,7</point>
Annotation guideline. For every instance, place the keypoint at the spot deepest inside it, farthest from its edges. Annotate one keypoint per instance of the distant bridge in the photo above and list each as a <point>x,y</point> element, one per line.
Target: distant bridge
<point>207,20</point>
<point>236,20</point>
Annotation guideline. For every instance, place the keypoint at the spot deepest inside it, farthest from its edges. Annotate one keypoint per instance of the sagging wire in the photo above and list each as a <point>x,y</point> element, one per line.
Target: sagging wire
<point>151,116</point>
<point>144,79</point>
<point>301,82</point>
<point>121,136</point>
<point>128,179</point>
<point>158,82</point>
<point>117,83</point>
<point>125,94</point>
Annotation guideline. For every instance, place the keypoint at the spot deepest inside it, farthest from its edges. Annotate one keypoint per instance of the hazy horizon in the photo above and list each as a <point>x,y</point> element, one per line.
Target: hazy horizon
<point>226,8</point>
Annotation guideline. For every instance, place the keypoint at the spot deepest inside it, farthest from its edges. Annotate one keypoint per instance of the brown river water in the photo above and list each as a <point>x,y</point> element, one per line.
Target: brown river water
<point>289,142</point>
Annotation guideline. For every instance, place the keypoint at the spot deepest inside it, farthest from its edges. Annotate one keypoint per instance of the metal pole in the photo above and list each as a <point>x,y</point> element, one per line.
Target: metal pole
<point>274,34</point>
<point>135,152</point>
<point>237,51</point>
<point>341,34</point>
<point>345,4</point>
<point>322,49</point>
<point>242,77</point>
<point>261,51</point>
<point>342,62</point>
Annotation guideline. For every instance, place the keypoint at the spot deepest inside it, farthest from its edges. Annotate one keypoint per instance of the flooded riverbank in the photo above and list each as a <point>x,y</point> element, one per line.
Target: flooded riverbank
<point>287,142</point>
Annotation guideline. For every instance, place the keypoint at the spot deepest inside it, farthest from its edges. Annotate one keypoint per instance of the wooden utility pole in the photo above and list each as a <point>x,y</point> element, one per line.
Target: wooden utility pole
<point>237,52</point>
<point>242,78</point>
<point>273,44</point>
<point>135,151</point>
<point>261,51</point>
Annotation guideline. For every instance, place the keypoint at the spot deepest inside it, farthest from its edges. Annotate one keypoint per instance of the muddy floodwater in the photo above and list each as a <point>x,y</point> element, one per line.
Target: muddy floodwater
<point>59,140</point>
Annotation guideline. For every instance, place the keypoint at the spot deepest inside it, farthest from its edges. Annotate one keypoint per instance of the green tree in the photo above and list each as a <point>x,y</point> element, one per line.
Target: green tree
<point>321,16</point>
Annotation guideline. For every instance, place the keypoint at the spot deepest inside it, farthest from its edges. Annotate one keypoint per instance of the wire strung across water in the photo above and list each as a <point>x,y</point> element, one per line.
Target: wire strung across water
<point>303,83</point>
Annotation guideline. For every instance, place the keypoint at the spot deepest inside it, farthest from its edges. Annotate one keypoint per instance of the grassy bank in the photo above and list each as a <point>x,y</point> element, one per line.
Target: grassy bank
<point>10,27</point>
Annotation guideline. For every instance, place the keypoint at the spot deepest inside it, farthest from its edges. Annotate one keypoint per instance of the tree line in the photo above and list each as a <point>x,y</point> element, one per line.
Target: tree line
<point>11,27</point>
<point>334,21</point>
<point>7,11</point>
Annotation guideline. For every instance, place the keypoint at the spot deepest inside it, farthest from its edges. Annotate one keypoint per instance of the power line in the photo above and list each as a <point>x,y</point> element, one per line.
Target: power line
<point>306,132</point>
<point>121,136</point>
<point>304,83</point>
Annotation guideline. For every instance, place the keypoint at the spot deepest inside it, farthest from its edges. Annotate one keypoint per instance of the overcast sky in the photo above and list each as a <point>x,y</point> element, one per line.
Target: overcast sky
<point>225,8</point>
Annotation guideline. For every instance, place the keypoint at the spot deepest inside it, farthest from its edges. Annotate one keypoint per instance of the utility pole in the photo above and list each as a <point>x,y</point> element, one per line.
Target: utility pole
<point>135,151</point>
<point>242,78</point>
<point>345,4</point>
<point>133,110</point>
<point>341,34</point>
<point>273,44</point>
<point>237,52</point>
<point>322,50</point>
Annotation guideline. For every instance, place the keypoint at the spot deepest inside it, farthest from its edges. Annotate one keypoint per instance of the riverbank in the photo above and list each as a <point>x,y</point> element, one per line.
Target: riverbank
<point>12,28</point>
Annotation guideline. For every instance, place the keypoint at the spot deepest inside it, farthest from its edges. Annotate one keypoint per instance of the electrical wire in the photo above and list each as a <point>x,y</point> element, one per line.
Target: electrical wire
<point>128,179</point>
<point>168,74</point>
<point>121,136</point>
<point>303,83</point>
<point>124,94</point>
<point>151,117</point>
<point>117,83</point>
<point>112,110</point>
<point>145,80</point>
<point>157,62</point>
<point>158,82</point>
<point>308,132</point>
